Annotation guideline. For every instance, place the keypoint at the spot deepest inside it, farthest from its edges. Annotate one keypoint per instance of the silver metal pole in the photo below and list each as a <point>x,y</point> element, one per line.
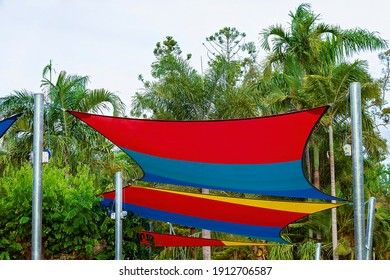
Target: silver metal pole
<point>36,242</point>
<point>357,169</point>
<point>118,215</point>
<point>370,227</point>
<point>318,251</point>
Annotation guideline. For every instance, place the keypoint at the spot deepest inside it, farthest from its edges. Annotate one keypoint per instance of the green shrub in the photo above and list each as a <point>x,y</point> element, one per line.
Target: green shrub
<point>74,226</point>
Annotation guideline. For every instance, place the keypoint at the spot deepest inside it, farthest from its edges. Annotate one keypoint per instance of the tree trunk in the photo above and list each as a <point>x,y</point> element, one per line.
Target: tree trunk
<point>333,192</point>
<point>308,171</point>
<point>193,254</point>
<point>308,166</point>
<point>316,176</point>
<point>316,173</point>
<point>206,234</point>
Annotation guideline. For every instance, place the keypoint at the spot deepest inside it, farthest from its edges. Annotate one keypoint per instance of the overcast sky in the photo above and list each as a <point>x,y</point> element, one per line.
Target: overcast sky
<point>112,41</point>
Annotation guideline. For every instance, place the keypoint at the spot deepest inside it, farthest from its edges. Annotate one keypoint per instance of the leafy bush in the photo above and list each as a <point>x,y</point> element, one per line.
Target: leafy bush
<point>74,226</point>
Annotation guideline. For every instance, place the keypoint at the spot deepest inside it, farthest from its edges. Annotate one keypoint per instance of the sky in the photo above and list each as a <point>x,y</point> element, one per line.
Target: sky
<point>112,41</point>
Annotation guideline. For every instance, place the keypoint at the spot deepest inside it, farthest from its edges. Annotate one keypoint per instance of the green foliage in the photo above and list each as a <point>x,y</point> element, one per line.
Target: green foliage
<point>169,47</point>
<point>234,253</point>
<point>15,213</point>
<point>179,92</point>
<point>306,250</point>
<point>226,44</point>
<point>237,252</point>
<point>280,252</point>
<point>74,226</point>
<point>344,247</point>
<point>381,246</point>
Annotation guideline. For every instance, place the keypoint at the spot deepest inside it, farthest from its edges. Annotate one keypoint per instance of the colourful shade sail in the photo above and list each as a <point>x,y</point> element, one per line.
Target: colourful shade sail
<point>262,219</point>
<point>256,155</point>
<point>6,123</point>
<point>168,240</point>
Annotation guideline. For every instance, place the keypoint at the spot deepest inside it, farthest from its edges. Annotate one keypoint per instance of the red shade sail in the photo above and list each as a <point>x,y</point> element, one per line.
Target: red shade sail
<point>262,219</point>
<point>256,155</point>
<point>168,240</point>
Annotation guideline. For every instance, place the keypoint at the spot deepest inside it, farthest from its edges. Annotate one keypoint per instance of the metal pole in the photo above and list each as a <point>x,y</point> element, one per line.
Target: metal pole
<point>118,215</point>
<point>318,251</point>
<point>357,169</point>
<point>36,242</point>
<point>370,227</point>
<point>206,250</point>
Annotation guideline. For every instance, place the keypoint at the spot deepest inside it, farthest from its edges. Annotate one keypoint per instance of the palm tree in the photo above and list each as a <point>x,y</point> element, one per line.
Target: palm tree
<point>314,47</point>
<point>64,135</point>
<point>312,44</point>
<point>333,88</point>
<point>18,148</point>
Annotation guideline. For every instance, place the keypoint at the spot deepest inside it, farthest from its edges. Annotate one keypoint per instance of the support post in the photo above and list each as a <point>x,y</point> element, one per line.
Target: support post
<point>36,242</point>
<point>206,250</point>
<point>318,251</point>
<point>118,215</point>
<point>357,169</point>
<point>370,227</point>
